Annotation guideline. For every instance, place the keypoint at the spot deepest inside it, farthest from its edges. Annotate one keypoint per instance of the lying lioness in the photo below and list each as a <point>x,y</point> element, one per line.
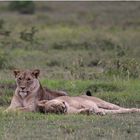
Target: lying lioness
<point>82,104</point>
<point>29,91</point>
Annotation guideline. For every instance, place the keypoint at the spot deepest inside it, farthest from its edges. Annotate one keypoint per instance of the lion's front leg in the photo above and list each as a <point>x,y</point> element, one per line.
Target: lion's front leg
<point>25,109</point>
<point>86,111</point>
<point>30,106</point>
<point>19,108</point>
<point>15,103</point>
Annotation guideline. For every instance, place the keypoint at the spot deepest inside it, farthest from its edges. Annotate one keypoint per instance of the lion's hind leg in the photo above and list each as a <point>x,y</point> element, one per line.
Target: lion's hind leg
<point>120,111</point>
<point>89,111</point>
<point>109,106</point>
<point>89,107</point>
<point>101,103</point>
<point>101,111</point>
<point>86,111</point>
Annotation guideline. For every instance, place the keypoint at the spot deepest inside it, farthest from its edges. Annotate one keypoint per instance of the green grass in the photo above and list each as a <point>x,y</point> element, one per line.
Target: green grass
<point>35,126</point>
<point>38,126</point>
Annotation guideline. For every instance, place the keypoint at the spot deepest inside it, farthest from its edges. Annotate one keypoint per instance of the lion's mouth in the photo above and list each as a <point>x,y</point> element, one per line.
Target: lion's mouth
<point>23,94</point>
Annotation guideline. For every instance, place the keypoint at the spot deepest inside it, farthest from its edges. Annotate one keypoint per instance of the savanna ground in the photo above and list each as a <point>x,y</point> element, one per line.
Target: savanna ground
<point>77,46</point>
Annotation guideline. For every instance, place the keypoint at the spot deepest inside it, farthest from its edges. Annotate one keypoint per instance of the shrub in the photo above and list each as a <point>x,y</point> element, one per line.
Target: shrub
<point>4,60</point>
<point>28,35</point>
<point>73,44</point>
<point>23,7</point>
<point>107,44</point>
<point>53,63</point>
<point>125,68</point>
<point>2,22</point>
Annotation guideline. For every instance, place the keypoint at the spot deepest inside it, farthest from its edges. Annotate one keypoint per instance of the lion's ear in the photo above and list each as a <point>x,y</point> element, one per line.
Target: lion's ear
<point>36,72</point>
<point>16,72</point>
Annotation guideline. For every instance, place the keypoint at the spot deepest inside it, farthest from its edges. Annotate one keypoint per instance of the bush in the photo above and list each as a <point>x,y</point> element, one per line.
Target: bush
<point>23,7</point>
<point>4,60</point>
<point>54,63</point>
<point>28,35</point>
<point>2,22</point>
<point>106,44</point>
<point>66,44</point>
<point>124,68</point>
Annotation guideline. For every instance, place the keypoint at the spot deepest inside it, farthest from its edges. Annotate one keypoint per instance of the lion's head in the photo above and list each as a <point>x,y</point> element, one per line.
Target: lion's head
<point>26,81</point>
<point>52,106</point>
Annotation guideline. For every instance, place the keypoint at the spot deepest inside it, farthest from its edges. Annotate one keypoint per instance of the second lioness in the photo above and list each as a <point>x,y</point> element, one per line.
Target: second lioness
<point>29,91</point>
<point>82,104</point>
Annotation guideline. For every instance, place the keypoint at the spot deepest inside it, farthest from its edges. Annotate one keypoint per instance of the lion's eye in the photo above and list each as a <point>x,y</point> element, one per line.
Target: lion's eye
<point>28,79</point>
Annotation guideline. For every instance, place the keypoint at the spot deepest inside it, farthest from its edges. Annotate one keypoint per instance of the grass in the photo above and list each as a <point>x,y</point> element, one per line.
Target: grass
<point>36,126</point>
<point>78,46</point>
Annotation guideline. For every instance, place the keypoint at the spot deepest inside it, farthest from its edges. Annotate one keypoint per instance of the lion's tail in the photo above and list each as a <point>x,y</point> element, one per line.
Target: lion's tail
<point>88,93</point>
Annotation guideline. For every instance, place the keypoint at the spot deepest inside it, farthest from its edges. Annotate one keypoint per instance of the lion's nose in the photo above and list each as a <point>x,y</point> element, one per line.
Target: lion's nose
<point>23,87</point>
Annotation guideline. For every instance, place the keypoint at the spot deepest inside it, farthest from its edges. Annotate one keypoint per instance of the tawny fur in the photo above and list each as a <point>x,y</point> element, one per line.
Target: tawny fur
<point>29,91</point>
<point>82,104</point>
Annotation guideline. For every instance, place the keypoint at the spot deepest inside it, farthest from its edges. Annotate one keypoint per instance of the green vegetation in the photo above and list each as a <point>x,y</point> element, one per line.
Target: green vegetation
<point>38,126</point>
<point>78,46</point>
<point>24,7</point>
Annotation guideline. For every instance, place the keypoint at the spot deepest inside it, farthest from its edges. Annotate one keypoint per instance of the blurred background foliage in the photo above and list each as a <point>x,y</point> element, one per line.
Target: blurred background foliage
<point>23,7</point>
<point>71,40</point>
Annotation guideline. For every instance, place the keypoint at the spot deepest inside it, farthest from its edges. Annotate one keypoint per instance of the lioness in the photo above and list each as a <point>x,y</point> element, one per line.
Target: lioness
<point>29,91</point>
<point>82,104</point>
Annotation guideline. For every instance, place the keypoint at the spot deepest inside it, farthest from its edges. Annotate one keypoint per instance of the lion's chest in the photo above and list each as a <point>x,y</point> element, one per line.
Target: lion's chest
<point>28,102</point>
<point>23,94</point>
